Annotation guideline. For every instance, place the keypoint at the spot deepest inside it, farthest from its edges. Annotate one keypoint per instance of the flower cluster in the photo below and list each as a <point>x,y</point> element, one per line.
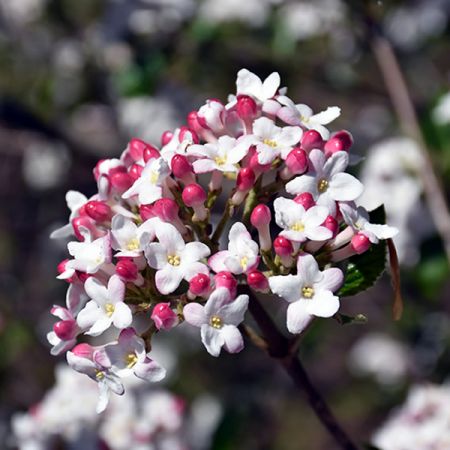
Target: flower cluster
<point>146,245</point>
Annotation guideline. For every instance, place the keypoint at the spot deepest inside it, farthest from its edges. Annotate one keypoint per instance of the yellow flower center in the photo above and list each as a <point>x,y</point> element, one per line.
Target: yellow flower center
<point>216,322</point>
<point>307,292</point>
<point>133,244</point>
<point>109,308</point>
<point>99,375</point>
<point>304,119</point>
<point>220,161</point>
<point>173,260</point>
<point>270,143</point>
<point>322,185</point>
<point>130,360</point>
<point>244,262</point>
<point>154,177</point>
<point>298,226</point>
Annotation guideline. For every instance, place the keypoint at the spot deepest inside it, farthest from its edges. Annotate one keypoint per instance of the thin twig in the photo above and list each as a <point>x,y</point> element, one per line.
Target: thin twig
<point>280,347</point>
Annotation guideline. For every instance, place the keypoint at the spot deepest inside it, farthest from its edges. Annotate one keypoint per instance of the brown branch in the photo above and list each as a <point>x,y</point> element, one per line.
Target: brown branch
<point>284,349</point>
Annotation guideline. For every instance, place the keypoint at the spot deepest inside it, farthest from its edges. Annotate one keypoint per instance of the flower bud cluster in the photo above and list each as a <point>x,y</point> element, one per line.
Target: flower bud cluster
<point>145,244</point>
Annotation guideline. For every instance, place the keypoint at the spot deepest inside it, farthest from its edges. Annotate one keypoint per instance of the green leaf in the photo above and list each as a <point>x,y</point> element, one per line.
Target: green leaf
<point>364,270</point>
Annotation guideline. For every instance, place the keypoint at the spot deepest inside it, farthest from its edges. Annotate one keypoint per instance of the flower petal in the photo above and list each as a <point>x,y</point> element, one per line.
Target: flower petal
<point>218,298</point>
<point>331,281</point>
<point>194,313</point>
<point>150,370</point>
<point>122,316</point>
<point>270,85</point>
<point>168,279</point>
<point>297,318</point>
<point>308,269</point>
<point>323,304</point>
<point>345,187</point>
<point>156,255</point>
<point>212,339</point>
<point>194,251</point>
<point>303,183</point>
<point>217,261</point>
<point>233,341</point>
<point>170,238</point>
<point>233,312</point>
<point>287,287</point>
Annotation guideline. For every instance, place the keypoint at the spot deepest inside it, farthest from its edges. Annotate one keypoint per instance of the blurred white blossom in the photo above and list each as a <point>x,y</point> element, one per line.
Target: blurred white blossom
<point>22,12</point>
<point>441,113</point>
<point>421,423</point>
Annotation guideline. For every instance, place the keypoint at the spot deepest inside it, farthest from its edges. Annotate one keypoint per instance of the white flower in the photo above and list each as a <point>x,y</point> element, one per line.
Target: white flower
<point>218,321</point>
<point>310,292</point>
<point>129,238</point>
<point>248,83</point>
<point>174,259</point>
<point>88,256</point>
<point>148,187</point>
<point>326,180</point>
<point>441,113</point>
<point>175,146</point>
<point>223,155</point>
<point>128,356</point>
<point>75,200</point>
<point>272,141</point>
<point>303,115</point>
<point>104,377</point>
<point>106,307</point>
<point>242,254</point>
<point>358,219</point>
<point>299,225</point>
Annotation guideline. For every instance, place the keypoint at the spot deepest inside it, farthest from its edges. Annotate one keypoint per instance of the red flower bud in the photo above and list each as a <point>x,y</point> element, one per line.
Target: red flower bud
<point>312,139</point>
<point>305,199</point>
<point>199,285</point>
<point>297,161</point>
<point>193,194</point>
<point>260,216</point>
<point>164,317</point>
<point>257,281</point>
<point>245,179</point>
<point>99,211</point>
<point>360,243</point>
<point>282,246</point>
<point>127,269</point>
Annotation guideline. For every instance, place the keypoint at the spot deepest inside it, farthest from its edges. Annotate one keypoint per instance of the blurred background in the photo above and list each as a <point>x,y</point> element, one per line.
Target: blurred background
<point>79,78</point>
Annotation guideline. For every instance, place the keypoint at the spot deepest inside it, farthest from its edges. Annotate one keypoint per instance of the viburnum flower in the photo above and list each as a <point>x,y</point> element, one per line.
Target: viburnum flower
<point>128,357</point>
<point>303,115</point>
<point>106,307</point>
<point>327,181</point>
<point>242,254</point>
<point>83,361</point>
<point>218,321</point>
<point>149,245</point>
<point>358,219</point>
<point>223,155</point>
<point>309,293</point>
<point>174,259</point>
<point>148,187</point>
<point>272,141</point>
<point>299,224</point>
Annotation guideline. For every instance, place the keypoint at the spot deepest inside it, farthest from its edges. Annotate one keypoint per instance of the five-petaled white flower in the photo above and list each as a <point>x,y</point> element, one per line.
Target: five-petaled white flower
<point>88,256</point>
<point>299,225</point>
<point>310,292</point>
<point>105,378</point>
<point>326,180</point>
<point>129,238</point>
<point>75,200</point>
<point>223,155</point>
<point>242,254</point>
<point>303,115</point>
<point>174,259</point>
<point>358,219</point>
<point>248,83</point>
<point>272,141</point>
<point>218,320</point>
<point>128,356</point>
<point>106,307</point>
<point>148,187</point>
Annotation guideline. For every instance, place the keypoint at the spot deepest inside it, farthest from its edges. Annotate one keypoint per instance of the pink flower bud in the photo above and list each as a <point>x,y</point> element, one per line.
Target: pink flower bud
<point>297,161</point>
<point>282,246</point>
<point>181,166</point>
<point>345,137</point>
<point>246,107</point>
<point>135,171</point>
<point>150,152</point>
<point>121,181</point>
<point>305,199</point>
<point>136,148</point>
<point>332,224</point>
<point>257,281</point>
<point>189,135</point>
<point>82,224</point>
<point>193,122</point>
<point>360,243</point>
<point>127,269</point>
<point>312,139</point>
<point>83,351</point>
<point>61,268</point>
<point>254,163</point>
<point>193,194</point>
<point>226,280</point>
<point>245,179</point>
<point>199,285</point>
<point>83,276</point>
<point>260,216</point>
<point>166,137</point>
<point>97,171</point>
<point>164,317</point>
<point>166,209</point>
<point>65,329</point>
<point>97,210</point>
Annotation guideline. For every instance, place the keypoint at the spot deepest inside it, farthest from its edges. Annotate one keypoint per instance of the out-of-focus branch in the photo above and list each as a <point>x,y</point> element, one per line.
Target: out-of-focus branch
<point>285,350</point>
